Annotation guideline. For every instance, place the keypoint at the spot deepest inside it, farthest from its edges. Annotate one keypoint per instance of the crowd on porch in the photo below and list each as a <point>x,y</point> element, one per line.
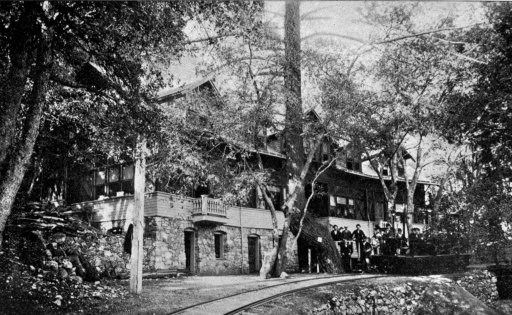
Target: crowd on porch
<point>384,241</point>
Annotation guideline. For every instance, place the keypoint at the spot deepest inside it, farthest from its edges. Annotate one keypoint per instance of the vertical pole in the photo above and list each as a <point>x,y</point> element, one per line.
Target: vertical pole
<point>242,242</point>
<point>138,217</point>
<point>309,259</point>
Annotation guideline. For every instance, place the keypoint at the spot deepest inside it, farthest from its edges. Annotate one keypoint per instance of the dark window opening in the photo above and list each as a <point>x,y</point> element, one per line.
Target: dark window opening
<point>219,245</point>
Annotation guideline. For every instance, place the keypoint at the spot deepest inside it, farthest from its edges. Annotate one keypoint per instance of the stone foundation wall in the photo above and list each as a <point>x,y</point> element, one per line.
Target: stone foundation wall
<point>164,243</point>
<point>106,254</point>
<point>236,250</point>
<point>164,246</point>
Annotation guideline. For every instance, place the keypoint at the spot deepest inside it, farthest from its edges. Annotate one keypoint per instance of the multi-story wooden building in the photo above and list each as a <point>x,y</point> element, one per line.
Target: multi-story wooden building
<point>207,236</point>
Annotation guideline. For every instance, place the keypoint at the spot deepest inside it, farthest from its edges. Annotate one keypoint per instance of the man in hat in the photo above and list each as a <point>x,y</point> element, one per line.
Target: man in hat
<point>335,233</point>
<point>359,238</point>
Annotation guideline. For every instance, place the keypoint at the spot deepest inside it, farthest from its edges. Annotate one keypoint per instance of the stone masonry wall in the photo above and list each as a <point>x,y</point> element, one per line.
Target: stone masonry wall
<point>164,243</point>
<point>164,246</point>
<point>236,250</point>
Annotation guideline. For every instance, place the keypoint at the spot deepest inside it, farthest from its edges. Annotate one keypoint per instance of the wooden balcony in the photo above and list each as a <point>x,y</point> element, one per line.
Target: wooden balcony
<point>208,210</point>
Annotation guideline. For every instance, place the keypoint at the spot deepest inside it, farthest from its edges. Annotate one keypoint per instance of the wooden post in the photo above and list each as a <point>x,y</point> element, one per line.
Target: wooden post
<point>309,259</point>
<point>138,217</point>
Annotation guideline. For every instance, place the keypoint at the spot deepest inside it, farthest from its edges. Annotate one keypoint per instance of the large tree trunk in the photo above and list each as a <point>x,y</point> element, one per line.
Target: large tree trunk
<point>16,162</point>
<point>294,147</point>
<point>12,87</point>
<point>328,255</point>
<point>270,258</point>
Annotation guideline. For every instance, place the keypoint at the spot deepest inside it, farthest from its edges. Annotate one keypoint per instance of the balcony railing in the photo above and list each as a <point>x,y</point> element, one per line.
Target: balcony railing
<point>208,209</point>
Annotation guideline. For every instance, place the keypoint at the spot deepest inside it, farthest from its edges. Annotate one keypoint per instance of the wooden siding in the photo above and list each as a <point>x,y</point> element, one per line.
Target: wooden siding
<point>160,204</point>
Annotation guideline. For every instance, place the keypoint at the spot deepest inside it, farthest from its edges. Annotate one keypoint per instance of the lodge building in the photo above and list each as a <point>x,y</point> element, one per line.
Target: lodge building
<point>207,236</point>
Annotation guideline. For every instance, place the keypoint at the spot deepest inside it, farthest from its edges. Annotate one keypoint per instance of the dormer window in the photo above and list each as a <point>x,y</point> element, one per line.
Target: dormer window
<point>325,152</point>
<point>353,161</point>
<point>385,171</point>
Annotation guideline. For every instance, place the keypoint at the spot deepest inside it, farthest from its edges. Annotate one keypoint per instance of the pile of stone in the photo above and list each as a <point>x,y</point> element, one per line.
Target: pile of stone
<point>107,255</point>
<point>480,283</point>
<point>64,246</point>
<point>423,295</point>
<point>25,289</point>
<point>374,299</point>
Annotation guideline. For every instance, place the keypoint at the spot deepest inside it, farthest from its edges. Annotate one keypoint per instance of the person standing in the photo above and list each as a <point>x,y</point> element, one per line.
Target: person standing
<point>366,253</point>
<point>401,242</point>
<point>359,238</point>
<point>346,238</point>
<point>387,240</point>
<point>335,233</point>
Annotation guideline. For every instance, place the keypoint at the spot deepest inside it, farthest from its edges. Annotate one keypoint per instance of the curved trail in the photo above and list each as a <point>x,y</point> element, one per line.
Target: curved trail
<point>238,302</point>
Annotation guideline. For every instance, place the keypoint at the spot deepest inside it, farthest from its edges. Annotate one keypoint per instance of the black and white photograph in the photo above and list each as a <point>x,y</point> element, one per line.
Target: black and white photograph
<point>257,157</point>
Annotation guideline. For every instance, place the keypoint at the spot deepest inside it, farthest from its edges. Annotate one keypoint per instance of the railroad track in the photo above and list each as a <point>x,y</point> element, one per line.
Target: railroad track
<point>236,303</point>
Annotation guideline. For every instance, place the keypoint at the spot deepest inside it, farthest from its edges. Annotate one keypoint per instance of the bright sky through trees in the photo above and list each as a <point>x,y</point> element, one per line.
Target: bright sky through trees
<point>338,22</point>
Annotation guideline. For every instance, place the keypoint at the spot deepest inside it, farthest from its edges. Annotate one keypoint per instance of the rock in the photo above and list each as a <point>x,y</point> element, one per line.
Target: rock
<point>67,264</point>
<point>284,275</point>
<point>76,279</point>
<point>52,265</point>
<point>62,273</point>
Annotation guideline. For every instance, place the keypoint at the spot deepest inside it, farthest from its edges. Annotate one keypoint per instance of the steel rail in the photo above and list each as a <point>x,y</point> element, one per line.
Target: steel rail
<point>275,296</point>
<point>264,300</point>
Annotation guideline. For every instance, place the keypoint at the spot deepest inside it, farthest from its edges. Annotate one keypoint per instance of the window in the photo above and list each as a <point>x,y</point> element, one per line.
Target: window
<point>325,152</point>
<point>342,207</point>
<point>385,170</point>
<point>351,160</point>
<point>353,164</point>
<point>377,211</point>
<point>113,181</point>
<point>219,244</point>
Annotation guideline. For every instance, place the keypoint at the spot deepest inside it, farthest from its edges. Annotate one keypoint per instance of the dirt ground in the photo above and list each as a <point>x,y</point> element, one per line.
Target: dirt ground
<point>162,296</point>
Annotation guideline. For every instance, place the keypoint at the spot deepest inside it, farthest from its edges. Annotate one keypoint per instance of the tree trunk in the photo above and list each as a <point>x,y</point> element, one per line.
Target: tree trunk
<point>294,147</point>
<point>16,163</point>
<point>328,255</point>
<point>12,88</point>
<point>282,259</point>
<point>270,257</point>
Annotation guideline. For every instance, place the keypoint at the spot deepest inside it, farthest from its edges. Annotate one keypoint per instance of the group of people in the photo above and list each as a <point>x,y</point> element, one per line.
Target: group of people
<point>385,241</point>
<point>350,242</point>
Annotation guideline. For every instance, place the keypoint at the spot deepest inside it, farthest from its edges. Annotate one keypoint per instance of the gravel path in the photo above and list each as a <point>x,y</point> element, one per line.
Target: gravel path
<point>229,304</point>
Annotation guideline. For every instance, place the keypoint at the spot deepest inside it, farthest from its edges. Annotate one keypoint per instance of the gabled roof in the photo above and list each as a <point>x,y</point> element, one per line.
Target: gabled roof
<point>186,88</point>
